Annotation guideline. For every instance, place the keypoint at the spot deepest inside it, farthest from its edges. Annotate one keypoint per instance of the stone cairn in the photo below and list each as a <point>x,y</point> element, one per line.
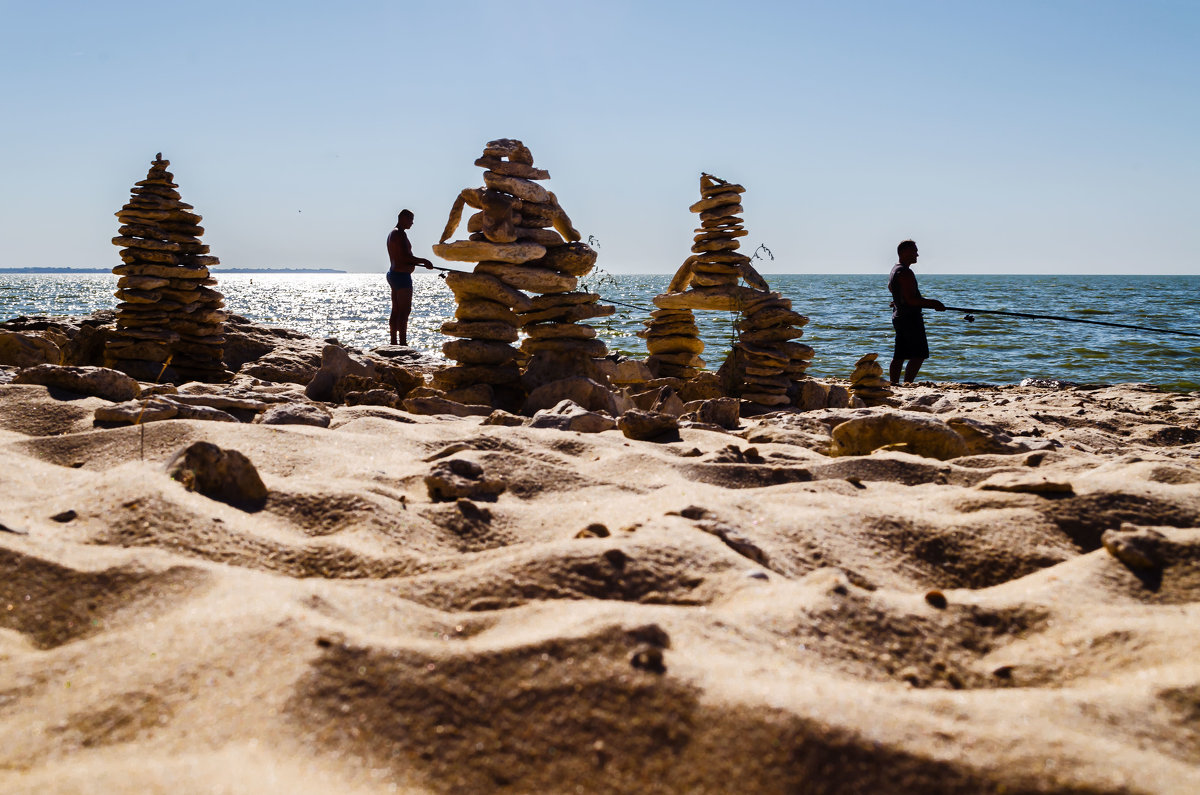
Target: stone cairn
<point>764,362</point>
<point>170,323</point>
<point>522,241</point>
<point>867,382</point>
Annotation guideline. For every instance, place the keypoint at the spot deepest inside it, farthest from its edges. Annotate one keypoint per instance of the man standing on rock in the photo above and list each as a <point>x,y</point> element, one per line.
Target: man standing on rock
<point>400,276</point>
<point>907,303</point>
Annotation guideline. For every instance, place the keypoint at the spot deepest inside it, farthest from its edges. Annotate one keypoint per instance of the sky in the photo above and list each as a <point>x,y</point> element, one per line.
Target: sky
<point>1053,136</point>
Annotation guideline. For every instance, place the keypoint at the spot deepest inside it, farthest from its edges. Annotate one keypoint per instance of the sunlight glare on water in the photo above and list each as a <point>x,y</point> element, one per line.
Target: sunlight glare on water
<point>849,317</point>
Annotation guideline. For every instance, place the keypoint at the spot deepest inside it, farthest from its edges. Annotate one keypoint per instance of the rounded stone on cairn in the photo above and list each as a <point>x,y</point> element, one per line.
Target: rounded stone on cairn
<point>772,382</point>
<point>479,351</point>
<point>539,331</point>
<point>551,300</point>
<point>524,189</point>
<point>674,344</point>
<point>511,148</point>
<point>482,251</point>
<point>715,201</point>
<point>145,244</point>
<point>681,359</point>
<point>147,351</point>
<point>159,270</point>
<point>575,259</point>
<point>543,237</point>
<point>138,296</point>
<point>762,353</point>
<point>483,309</point>
<point>132,255</point>
<point>183,296</point>
<point>768,336</point>
<point>466,286</point>
<point>568,314</point>
<point>721,224</point>
<point>530,278</point>
<point>719,268</point>
<point>719,258</point>
<point>502,231</point>
<point>714,279</point>
<point>719,298</point>
<point>157,335</point>
<point>721,187</point>
<point>158,189</point>
<point>499,332</point>
<point>725,211</point>
<point>796,350</point>
<point>655,328</point>
<point>766,398</point>
<point>752,370</point>
<point>126,307</point>
<point>715,244</point>
<point>468,375</point>
<point>771,316</point>
<point>510,168</point>
<point>725,233</point>
<point>141,282</point>
<point>141,216</point>
<point>539,215</point>
<point>590,348</point>
<point>757,300</point>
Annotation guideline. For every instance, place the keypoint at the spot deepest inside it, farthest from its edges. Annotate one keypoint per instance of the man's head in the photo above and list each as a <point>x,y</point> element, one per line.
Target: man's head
<point>404,220</point>
<point>907,252</point>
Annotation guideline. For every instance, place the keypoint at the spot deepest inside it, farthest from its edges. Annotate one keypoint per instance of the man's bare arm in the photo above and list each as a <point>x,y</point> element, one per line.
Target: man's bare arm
<point>912,296</point>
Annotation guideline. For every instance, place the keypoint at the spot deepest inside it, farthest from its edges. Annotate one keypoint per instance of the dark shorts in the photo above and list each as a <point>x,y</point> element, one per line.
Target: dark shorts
<point>910,338</point>
<point>399,280</point>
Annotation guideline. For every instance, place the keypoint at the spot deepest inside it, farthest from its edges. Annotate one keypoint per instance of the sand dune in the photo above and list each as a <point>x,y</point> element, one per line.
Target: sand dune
<point>730,612</point>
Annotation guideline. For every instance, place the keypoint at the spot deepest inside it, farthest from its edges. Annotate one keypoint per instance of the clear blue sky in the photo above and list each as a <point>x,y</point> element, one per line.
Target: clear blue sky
<point>1024,137</point>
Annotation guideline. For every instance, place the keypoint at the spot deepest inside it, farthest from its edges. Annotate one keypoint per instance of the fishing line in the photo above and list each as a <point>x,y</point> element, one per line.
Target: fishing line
<point>970,312</point>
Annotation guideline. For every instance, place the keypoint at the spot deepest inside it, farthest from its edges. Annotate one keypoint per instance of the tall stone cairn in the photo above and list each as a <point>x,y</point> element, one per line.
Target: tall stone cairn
<point>764,361</point>
<point>522,241</point>
<point>867,382</point>
<point>170,322</point>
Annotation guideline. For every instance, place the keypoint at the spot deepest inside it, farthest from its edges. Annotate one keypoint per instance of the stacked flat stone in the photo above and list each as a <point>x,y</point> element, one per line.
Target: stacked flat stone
<point>774,361</point>
<point>765,361</point>
<point>170,322</point>
<point>867,382</point>
<point>522,241</point>
<point>714,267</point>
<point>674,343</point>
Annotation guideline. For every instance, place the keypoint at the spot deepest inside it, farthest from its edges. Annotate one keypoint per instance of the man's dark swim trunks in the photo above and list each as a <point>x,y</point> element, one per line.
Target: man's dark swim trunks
<point>910,338</point>
<point>399,280</point>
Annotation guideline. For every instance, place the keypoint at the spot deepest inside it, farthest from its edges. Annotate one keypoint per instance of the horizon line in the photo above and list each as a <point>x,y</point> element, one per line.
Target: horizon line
<point>337,271</point>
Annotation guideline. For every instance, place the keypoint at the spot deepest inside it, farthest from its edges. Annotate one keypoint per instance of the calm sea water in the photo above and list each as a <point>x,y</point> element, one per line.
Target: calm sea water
<point>849,317</point>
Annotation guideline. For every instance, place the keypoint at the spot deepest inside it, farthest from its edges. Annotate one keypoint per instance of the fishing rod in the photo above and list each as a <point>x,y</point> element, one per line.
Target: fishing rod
<point>971,312</point>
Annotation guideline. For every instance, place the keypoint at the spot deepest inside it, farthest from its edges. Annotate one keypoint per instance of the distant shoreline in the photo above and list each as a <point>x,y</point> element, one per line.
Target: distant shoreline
<point>768,275</point>
<point>214,270</point>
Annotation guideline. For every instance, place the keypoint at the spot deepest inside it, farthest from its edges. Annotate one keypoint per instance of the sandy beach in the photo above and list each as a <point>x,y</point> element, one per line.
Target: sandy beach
<point>428,603</point>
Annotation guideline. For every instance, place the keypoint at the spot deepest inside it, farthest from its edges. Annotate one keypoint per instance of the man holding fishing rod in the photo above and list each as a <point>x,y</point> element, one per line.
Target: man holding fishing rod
<point>400,276</point>
<point>911,345</point>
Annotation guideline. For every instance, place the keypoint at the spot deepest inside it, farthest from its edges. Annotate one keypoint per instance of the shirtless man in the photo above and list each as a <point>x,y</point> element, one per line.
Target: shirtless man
<point>400,276</point>
<point>907,303</point>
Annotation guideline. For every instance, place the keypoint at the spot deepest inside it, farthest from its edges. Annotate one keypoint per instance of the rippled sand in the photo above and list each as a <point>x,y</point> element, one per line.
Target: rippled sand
<point>724,613</point>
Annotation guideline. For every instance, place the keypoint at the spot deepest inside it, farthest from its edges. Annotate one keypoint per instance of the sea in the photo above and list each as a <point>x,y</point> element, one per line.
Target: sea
<point>848,317</point>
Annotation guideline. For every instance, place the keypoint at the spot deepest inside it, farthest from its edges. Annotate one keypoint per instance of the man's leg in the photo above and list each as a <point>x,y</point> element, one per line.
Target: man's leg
<point>910,372</point>
<point>401,307</point>
<point>894,370</point>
